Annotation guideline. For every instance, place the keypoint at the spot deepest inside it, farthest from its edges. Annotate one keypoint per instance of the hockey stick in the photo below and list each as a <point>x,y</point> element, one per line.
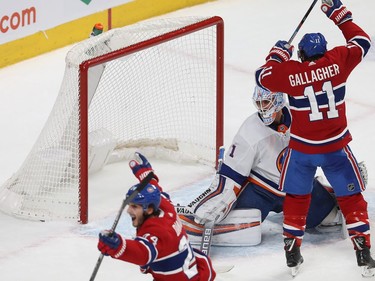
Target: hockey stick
<point>207,234</point>
<point>209,226</point>
<point>302,21</point>
<point>125,202</point>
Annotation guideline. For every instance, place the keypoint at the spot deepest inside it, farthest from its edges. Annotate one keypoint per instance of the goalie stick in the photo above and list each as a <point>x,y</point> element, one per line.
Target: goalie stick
<point>209,226</point>
<point>125,202</point>
<point>207,234</point>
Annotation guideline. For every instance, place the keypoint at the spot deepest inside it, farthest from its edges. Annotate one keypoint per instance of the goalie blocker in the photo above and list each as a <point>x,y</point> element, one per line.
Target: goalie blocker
<point>242,227</point>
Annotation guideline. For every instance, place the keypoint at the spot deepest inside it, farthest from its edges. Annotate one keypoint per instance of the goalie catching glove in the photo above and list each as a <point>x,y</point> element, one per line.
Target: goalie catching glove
<point>216,202</point>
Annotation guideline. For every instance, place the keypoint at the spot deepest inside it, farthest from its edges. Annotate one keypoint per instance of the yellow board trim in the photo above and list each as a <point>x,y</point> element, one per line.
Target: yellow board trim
<point>78,30</point>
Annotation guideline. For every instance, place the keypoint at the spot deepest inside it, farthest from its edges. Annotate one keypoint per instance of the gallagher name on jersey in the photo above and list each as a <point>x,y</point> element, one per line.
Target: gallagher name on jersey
<point>318,74</point>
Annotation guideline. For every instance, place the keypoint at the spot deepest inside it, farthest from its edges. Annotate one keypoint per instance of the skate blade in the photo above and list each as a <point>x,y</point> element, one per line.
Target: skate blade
<point>295,270</point>
<point>223,268</point>
<point>367,272</point>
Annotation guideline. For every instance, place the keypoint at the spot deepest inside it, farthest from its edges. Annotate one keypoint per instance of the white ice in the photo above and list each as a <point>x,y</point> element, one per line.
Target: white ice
<point>67,250</point>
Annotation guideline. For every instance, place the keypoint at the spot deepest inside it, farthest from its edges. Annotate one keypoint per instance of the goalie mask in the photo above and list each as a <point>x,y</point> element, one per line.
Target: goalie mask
<point>268,104</point>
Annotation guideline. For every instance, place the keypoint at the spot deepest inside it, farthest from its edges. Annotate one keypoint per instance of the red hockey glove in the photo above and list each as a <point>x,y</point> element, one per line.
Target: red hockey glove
<point>281,52</point>
<point>141,167</point>
<point>336,11</point>
<point>111,244</point>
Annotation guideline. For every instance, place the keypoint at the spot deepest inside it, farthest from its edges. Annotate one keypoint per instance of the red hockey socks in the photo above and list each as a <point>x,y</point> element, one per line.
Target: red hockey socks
<point>295,210</point>
<point>354,209</point>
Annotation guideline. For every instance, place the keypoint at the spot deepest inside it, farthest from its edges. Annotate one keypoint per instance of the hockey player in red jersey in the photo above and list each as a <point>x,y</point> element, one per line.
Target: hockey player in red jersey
<point>319,134</point>
<point>248,180</point>
<point>161,245</point>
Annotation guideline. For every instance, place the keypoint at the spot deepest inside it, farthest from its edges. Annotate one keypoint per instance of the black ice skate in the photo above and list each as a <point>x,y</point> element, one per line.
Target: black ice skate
<point>293,255</point>
<point>364,259</point>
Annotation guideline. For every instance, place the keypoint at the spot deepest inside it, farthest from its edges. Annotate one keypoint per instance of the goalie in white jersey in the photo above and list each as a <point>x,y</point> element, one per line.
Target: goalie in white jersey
<point>249,175</point>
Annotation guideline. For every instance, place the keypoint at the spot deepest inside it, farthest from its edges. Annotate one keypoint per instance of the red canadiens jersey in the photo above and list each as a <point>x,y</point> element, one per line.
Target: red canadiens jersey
<point>316,92</point>
<point>162,249</point>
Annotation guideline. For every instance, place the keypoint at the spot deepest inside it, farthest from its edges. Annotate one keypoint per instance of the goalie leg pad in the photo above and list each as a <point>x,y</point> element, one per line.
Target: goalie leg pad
<point>240,228</point>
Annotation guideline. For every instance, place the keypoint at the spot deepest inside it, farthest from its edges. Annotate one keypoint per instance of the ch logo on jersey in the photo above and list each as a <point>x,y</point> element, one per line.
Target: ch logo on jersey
<point>280,159</point>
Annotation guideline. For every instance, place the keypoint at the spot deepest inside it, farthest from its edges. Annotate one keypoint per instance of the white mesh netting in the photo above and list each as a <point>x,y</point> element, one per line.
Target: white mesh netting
<point>160,98</point>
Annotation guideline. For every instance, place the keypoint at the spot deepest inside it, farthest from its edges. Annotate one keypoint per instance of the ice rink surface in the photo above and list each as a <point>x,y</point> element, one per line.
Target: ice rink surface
<point>63,251</point>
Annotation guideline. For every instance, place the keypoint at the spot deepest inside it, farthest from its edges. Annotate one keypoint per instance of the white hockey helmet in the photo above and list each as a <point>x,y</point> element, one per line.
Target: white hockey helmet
<point>268,103</point>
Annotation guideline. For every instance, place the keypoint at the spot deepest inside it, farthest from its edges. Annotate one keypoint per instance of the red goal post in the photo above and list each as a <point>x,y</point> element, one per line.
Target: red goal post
<point>155,86</point>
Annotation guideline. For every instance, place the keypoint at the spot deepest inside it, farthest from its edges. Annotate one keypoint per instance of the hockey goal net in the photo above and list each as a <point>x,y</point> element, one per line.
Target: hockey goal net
<point>156,85</point>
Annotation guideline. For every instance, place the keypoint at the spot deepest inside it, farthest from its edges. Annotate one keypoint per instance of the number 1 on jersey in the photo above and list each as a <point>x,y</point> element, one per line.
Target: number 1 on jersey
<point>315,113</point>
